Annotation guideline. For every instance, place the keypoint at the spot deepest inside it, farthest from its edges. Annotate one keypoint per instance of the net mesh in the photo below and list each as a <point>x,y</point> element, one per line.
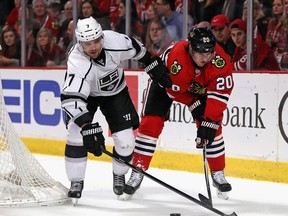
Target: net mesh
<point>23,181</point>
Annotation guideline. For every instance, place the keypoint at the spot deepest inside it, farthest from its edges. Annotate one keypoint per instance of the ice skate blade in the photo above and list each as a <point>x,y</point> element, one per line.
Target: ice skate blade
<point>125,197</point>
<point>75,201</point>
<point>222,195</point>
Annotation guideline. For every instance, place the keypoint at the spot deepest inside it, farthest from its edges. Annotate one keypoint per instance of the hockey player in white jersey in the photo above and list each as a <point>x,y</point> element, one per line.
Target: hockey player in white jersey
<point>95,79</point>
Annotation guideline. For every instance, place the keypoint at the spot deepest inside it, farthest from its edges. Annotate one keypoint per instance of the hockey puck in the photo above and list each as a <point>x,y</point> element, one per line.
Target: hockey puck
<point>175,214</point>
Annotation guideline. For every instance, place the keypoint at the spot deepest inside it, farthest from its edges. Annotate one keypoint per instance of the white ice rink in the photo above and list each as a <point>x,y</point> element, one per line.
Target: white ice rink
<point>248,198</point>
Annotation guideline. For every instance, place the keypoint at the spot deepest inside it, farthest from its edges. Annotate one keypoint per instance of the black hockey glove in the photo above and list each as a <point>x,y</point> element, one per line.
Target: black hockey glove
<point>93,138</point>
<point>197,108</point>
<point>158,72</point>
<point>206,133</point>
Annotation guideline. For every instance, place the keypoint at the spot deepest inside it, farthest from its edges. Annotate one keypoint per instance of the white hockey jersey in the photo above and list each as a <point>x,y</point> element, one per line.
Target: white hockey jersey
<point>103,76</point>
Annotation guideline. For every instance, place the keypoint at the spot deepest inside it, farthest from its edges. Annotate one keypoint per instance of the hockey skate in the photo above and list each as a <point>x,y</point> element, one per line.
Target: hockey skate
<point>132,185</point>
<point>75,191</point>
<point>221,184</point>
<point>118,184</point>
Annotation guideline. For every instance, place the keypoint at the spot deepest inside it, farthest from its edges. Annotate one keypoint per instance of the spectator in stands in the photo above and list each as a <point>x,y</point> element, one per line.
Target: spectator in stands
<point>277,31</point>
<point>150,15</point>
<point>68,10</point>
<point>29,15</point>
<point>136,25</point>
<point>54,11</point>
<point>89,8</point>
<point>203,24</point>
<point>13,15</point>
<point>103,13</point>
<point>260,21</point>
<point>6,7</point>
<point>136,29</point>
<point>69,35</point>
<point>114,12</point>
<point>14,18</point>
<point>42,19</point>
<point>33,57</point>
<point>10,47</point>
<point>120,20</point>
<point>142,8</point>
<point>172,20</point>
<point>104,7</point>
<point>157,37</point>
<point>220,29</point>
<point>151,12</point>
<point>52,54</point>
<point>264,58</point>
<point>68,16</point>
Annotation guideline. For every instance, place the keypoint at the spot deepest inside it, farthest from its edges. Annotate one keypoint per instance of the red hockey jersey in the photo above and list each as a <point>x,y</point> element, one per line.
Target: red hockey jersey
<point>189,82</point>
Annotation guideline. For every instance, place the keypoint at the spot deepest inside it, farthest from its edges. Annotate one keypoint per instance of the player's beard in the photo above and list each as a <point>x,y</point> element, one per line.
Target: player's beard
<point>94,54</point>
<point>91,54</point>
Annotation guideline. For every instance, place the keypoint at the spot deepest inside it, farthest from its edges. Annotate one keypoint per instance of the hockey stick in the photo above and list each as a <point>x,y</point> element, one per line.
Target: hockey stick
<point>201,196</point>
<point>166,185</point>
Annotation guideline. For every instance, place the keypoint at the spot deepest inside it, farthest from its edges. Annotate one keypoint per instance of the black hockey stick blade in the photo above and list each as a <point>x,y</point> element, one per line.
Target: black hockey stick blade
<point>119,160</point>
<point>205,200</point>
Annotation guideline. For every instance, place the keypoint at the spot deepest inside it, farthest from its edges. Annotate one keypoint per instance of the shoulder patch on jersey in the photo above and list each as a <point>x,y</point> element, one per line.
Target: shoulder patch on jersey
<point>175,68</point>
<point>219,62</point>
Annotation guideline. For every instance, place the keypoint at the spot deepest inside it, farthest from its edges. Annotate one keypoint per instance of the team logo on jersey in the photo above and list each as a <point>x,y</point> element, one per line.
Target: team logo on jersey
<point>219,62</point>
<point>196,88</point>
<point>110,81</point>
<point>175,68</point>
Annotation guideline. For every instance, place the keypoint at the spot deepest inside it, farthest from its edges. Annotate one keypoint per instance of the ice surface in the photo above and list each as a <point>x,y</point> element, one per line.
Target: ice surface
<point>248,198</point>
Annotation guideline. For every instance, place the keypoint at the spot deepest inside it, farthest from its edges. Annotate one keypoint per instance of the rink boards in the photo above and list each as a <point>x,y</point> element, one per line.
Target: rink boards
<point>255,124</point>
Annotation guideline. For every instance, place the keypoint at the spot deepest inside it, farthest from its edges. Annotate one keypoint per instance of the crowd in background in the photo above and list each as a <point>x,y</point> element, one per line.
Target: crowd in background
<point>156,23</point>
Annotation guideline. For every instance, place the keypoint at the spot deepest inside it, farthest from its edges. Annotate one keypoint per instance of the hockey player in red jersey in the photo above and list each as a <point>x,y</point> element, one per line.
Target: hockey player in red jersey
<point>201,76</point>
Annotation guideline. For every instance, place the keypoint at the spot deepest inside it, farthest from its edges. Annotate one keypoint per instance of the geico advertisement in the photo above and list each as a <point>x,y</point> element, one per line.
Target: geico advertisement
<point>255,122</point>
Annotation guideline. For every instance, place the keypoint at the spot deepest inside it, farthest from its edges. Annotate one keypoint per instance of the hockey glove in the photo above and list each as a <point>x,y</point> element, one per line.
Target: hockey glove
<point>93,138</point>
<point>197,108</point>
<point>206,133</point>
<point>159,72</point>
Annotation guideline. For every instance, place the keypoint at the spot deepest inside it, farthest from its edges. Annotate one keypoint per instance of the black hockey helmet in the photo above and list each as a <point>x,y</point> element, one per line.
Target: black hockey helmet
<point>202,40</point>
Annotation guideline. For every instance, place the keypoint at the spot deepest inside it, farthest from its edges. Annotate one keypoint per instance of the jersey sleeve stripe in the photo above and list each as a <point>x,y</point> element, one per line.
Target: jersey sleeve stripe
<point>117,50</point>
<point>164,55</point>
<point>136,46</point>
<point>220,97</point>
<point>66,96</point>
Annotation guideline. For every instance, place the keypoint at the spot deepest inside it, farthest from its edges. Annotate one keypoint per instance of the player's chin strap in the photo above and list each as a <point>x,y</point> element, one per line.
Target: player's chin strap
<point>201,203</point>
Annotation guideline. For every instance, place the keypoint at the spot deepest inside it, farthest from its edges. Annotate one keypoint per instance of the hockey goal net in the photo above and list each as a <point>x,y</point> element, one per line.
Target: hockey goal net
<point>23,181</point>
